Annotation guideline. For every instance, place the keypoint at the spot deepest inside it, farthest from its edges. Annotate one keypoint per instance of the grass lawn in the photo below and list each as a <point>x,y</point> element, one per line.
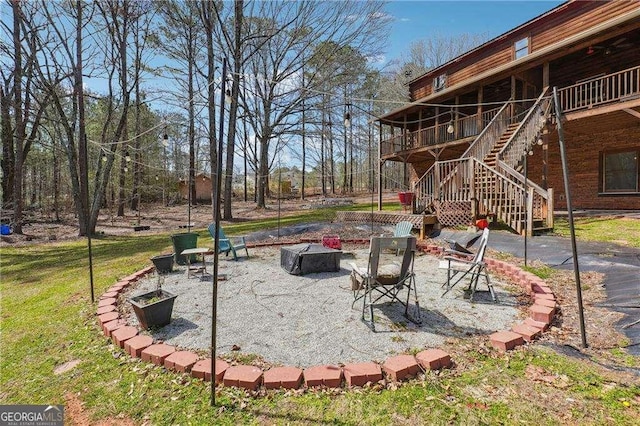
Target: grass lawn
<point>623,231</point>
<point>47,320</point>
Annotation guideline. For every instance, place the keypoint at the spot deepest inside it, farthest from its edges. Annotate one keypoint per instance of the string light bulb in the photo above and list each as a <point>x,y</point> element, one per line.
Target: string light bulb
<point>165,140</point>
<point>539,142</point>
<point>347,120</point>
<point>127,157</point>
<point>104,157</point>
<point>450,128</point>
<point>227,96</point>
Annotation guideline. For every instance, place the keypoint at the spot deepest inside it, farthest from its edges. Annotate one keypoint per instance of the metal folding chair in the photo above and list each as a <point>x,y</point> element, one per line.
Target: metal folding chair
<point>459,268</point>
<point>386,282</point>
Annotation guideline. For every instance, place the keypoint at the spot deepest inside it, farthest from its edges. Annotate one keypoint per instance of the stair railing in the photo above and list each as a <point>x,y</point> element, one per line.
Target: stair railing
<point>428,187</point>
<point>526,134</point>
<point>500,194</point>
<point>425,189</point>
<point>485,141</point>
<point>540,200</point>
<point>470,179</point>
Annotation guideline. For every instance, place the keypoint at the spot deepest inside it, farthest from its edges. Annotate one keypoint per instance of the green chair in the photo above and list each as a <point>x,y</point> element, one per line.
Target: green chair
<point>186,240</point>
<point>403,229</point>
<point>228,244</point>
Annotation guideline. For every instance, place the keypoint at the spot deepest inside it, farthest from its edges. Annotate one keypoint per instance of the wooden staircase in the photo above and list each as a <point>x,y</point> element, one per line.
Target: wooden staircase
<point>492,157</point>
<point>486,179</point>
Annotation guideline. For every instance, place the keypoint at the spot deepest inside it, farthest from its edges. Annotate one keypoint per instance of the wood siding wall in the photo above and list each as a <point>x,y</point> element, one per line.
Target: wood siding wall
<point>572,19</point>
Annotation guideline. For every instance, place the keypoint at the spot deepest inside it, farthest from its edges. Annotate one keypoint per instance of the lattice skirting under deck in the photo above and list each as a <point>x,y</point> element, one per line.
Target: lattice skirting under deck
<point>453,213</point>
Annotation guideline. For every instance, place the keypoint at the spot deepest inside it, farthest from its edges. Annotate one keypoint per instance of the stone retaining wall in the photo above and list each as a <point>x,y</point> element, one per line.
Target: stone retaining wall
<point>395,368</point>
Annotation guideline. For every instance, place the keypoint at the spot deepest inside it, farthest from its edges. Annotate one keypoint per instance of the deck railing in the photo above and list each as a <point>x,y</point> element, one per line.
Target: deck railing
<point>600,90</point>
<point>586,94</point>
<point>462,128</point>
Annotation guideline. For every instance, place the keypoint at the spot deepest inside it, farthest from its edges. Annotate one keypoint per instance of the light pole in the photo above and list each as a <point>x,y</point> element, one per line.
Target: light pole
<point>165,144</point>
<point>216,237</point>
<point>347,126</point>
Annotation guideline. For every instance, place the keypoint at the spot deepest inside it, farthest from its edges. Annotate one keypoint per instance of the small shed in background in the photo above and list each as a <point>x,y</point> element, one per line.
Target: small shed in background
<point>203,187</point>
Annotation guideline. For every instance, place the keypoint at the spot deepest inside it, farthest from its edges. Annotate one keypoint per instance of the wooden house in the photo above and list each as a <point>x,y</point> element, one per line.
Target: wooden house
<point>480,135</point>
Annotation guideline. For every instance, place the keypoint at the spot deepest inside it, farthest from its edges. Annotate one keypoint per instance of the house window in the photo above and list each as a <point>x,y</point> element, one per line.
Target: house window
<point>440,82</point>
<point>620,171</point>
<point>521,47</point>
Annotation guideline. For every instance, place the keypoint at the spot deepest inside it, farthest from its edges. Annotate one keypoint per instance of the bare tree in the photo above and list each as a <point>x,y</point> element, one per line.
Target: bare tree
<point>141,35</point>
<point>182,43</point>
<point>207,16</point>
<point>21,100</point>
<point>273,94</point>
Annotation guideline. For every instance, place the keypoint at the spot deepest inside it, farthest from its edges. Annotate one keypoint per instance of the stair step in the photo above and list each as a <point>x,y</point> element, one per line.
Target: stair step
<point>538,231</point>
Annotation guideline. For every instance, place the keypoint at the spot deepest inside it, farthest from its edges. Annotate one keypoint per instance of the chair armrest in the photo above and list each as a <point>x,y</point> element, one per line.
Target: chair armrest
<point>358,270</point>
<point>459,253</point>
<point>459,260</point>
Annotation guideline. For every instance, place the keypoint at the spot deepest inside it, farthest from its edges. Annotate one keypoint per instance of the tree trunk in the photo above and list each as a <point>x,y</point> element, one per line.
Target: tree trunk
<point>83,210</point>
<point>192,118</point>
<point>332,172</point>
<point>323,162</point>
<point>304,148</point>
<point>137,164</point>
<point>206,14</point>
<point>8,158</point>
<point>344,156</point>
<point>263,182</point>
<point>233,109</point>
<point>56,180</point>
<point>19,129</point>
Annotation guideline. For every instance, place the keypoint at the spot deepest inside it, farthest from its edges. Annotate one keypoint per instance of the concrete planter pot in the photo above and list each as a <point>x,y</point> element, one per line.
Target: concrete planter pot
<point>153,309</point>
<point>163,263</point>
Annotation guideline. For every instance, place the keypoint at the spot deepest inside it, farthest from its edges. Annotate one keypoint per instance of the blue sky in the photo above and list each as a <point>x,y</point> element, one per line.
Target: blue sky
<point>419,19</point>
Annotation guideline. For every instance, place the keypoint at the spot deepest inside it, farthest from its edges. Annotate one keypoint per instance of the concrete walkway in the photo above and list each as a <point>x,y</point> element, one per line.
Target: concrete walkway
<point>620,266</point>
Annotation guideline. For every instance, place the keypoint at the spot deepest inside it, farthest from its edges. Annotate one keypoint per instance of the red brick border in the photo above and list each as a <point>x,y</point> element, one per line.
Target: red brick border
<point>395,368</point>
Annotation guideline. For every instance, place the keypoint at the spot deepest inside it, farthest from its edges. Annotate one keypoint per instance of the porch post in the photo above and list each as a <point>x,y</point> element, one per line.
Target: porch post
<point>479,119</point>
<point>419,138</point>
<point>529,229</point>
<point>405,138</point>
<point>456,133</point>
<point>545,74</point>
<point>436,130</point>
<point>472,187</point>
<point>513,96</point>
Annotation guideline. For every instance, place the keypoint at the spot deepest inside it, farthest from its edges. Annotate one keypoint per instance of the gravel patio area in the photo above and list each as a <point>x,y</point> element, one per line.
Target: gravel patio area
<point>308,320</point>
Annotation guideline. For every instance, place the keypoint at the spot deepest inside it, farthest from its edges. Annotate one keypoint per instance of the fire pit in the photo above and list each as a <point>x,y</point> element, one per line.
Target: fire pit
<point>301,259</point>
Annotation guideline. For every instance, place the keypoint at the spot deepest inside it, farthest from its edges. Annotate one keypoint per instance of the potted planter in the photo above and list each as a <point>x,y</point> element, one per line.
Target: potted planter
<point>153,309</point>
<point>163,263</point>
